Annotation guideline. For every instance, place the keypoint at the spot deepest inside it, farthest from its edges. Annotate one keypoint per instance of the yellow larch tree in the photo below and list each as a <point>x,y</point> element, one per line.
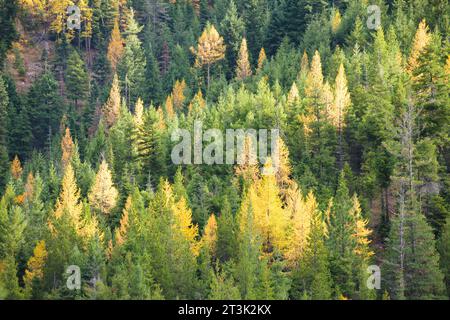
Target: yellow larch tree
<point>304,67</point>
<point>86,13</point>
<point>362,232</point>
<point>35,266</point>
<point>293,95</point>
<point>103,195</point>
<point>210,49</point>
<point>67,148</point>
<point>121,231</point>
<point>68,203</point>
<point>209,238</point>
<point>243,69</point>
<point>302,212</point>
<point>139,113</point>
<point>339,109</point>
<point>421,40</point>
<point>115,47</point>
<point>58,11</point>
<point>336,21</point>
<point>262,58</point>
<point>178,94</point>
<point>270,218</point>
<point>16,168</point>
<point>247,166</point>
<point>29,187</point>
<point>283,171</point>
<point>183,224</point>
<point>111,109</point>
<point>197,103</point>
<point>168,106</point>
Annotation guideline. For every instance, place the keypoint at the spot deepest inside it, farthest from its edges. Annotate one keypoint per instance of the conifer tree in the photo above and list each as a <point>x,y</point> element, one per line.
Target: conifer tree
<point>115,47</point>
<point>312,277</point>
<point>412,262</point>
<point>103,194</point>
<point>76,78</point>
<point>243,69</point>
<point>209,238</point>
<point>132,68</point>
<point>67,148</point>
<point>262,59</point>
<point>233,27</point>
<point>34,273</point>
<point>210,49</point>
<point>421,40</point>
<point>337,114</point>
<point>178,94</point>
<point>111,110</point>
<point>16,168</point>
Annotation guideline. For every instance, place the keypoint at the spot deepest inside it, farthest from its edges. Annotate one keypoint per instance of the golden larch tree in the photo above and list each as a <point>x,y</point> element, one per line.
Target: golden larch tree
<point>68,203</point>
<point>302,212</point>
<point>262,58</point>
<point>183,224</point>
<point>103,194</point>
<point>362,232</point>
<point>67,148</point>
<point>271,220</point>
<point>243,69</point>
<point>210,49</point>
<point>178,94</point>
<point>421,40</point>
<point>35,266</point>
<point>121,232</point>
<point>336,21</point>
<point>139,113</point>
<point>209,238</point>
<point>294,95</point>
<point>111,109</point>
<point>16,168</point>
<point>168,106</point>
<point>339,109</point>
<point>115,47</point>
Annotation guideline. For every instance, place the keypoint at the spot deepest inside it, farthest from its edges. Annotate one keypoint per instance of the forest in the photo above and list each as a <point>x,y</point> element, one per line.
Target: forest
<point>94,94</point>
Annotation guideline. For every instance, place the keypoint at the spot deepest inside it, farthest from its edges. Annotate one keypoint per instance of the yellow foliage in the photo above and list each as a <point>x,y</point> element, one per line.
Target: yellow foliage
<point>29,187</point>
<point>336,21</point>
<point>139,113</point>
<point>262,58</point>
<point>115,47</point>
<point>16,168</point>
<point>247,167</point>
<point>170,113</point>
<point>67,148</point>
<point>300,224</point>
<point>362,233</point>
<point>271,220</point>
<point>243,69</point>
<point>183,224</point>
<point>342,100</point>
<point>68,202</point>
<point>314,81</point>
<point>210,47</point>
<point>35,265</point>
<point>121,232</point>
<point>209,238</point>
<point>293,95</point>
<point>421,40</point>
<point>103,195</point>
<point>111,110</point>
<point>178,94</point>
